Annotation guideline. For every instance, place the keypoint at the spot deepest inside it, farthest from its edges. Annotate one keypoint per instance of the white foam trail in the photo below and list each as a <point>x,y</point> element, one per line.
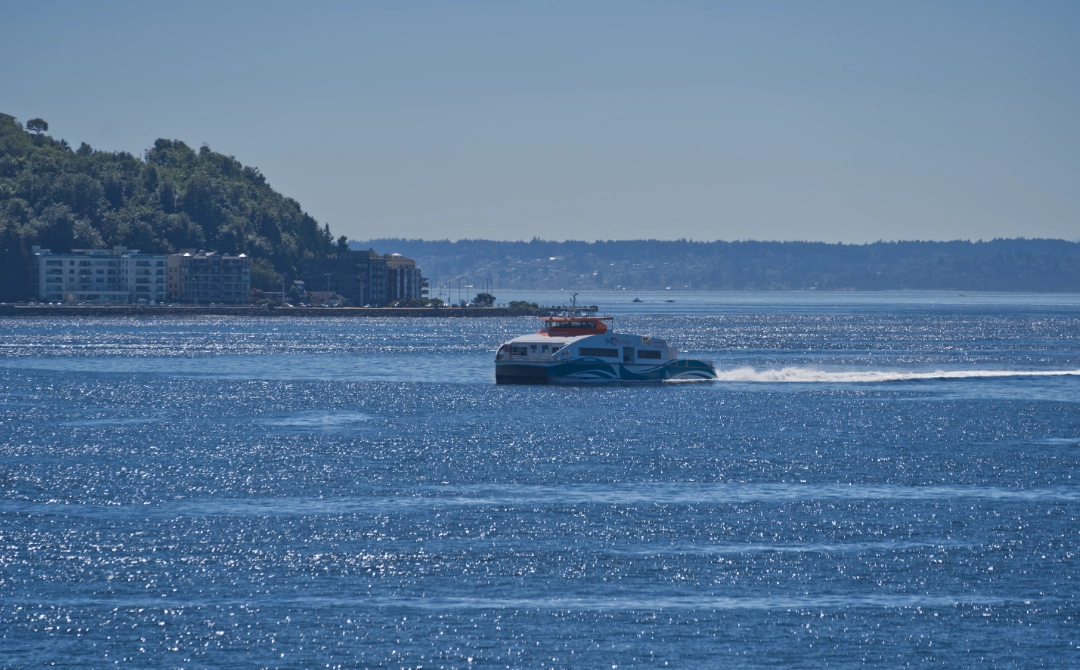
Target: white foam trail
<point>809,375</point>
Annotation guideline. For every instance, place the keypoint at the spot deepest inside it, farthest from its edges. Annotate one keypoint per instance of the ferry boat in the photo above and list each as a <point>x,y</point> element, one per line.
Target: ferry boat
<point>579,347</point>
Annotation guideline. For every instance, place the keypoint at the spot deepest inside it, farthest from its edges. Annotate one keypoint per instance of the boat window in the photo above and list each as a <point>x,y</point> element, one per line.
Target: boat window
<point>645,353</point>
<point>589,325</point>
<point>533,347</point>
<point>599,353</point>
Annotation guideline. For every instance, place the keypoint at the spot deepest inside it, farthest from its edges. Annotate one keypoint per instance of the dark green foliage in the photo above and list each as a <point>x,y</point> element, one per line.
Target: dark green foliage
<point>263,276</point>
<point>997,265</point>
<point>418,302</point>
<point>484,300</point>
<point>174,199</point>
<point>14,266</point>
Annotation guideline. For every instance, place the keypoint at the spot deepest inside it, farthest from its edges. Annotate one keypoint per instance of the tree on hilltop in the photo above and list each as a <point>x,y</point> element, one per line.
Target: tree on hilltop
<point>174,198</point>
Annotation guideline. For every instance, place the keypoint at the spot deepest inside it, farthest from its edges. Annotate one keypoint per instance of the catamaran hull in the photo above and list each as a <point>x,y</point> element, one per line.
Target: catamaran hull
<point>520,373</point>
<point>576,372</point>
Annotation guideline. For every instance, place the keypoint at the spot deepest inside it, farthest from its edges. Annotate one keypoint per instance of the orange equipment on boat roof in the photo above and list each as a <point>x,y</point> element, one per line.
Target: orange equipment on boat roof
<point>572,326</point>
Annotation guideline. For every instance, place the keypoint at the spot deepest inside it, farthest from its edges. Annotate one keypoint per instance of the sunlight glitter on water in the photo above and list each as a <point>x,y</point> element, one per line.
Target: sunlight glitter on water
<point>360,492</point>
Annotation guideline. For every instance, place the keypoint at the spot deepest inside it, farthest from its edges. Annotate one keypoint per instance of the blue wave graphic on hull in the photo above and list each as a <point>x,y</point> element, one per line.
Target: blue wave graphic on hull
<point>594,370</point>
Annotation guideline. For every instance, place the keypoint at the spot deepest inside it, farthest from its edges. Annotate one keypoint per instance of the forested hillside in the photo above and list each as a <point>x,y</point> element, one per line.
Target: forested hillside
<point>172,198</point>
<point>996,265</point>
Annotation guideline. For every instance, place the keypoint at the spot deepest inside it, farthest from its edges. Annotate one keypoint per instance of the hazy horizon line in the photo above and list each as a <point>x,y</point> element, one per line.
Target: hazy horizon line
<point>731,241</point>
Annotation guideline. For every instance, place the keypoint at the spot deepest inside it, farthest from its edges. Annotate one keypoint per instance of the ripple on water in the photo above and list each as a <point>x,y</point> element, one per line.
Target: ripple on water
<point>359,493</point>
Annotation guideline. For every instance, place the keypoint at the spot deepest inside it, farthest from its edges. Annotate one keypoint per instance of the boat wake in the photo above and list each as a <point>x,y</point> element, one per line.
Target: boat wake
<point>810,375</point>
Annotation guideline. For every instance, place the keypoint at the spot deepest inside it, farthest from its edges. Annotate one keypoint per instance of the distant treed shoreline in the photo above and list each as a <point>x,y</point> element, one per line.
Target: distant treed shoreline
<point>996,265</point>
<point>174,198</point>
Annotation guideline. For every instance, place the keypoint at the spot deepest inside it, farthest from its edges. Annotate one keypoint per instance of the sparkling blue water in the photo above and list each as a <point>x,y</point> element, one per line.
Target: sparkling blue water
<point>876,478</point>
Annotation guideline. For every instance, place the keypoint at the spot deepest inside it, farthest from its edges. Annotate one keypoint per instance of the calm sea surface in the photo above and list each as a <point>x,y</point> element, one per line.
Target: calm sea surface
<point>876,478</point>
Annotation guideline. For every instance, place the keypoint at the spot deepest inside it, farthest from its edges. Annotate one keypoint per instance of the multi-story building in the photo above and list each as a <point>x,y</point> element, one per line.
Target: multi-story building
<point>101,276</point>
<point>360,276</point>
<point>209,277</point>
<point>403,279</point>
<point>365,277</point>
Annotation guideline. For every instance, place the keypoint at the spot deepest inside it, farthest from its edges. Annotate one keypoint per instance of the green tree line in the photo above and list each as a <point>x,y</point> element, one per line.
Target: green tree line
<point>172,198</point>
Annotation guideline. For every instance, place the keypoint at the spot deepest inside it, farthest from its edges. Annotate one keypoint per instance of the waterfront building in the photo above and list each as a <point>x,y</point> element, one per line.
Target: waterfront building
<point>327,299</point>
<point>403,279</point>
<point>301,290</point>
<point>209,277</point>
<point>100,276</point>
<point>365,277</point>
<point>360,276</point>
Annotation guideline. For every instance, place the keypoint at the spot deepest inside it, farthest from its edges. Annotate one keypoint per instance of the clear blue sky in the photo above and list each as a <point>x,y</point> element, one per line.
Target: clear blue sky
<point>833,121</point>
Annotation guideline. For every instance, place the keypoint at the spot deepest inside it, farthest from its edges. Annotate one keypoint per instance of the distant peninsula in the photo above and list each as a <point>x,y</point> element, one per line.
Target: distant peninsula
<point>996,265</point>
<point>172,198</point>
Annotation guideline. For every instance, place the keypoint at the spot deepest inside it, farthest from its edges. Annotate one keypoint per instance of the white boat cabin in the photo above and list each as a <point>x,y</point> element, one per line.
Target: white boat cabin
<point>576,338</point>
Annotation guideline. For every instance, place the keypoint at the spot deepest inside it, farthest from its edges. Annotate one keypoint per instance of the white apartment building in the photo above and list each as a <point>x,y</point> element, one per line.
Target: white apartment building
<point>100,276</point>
